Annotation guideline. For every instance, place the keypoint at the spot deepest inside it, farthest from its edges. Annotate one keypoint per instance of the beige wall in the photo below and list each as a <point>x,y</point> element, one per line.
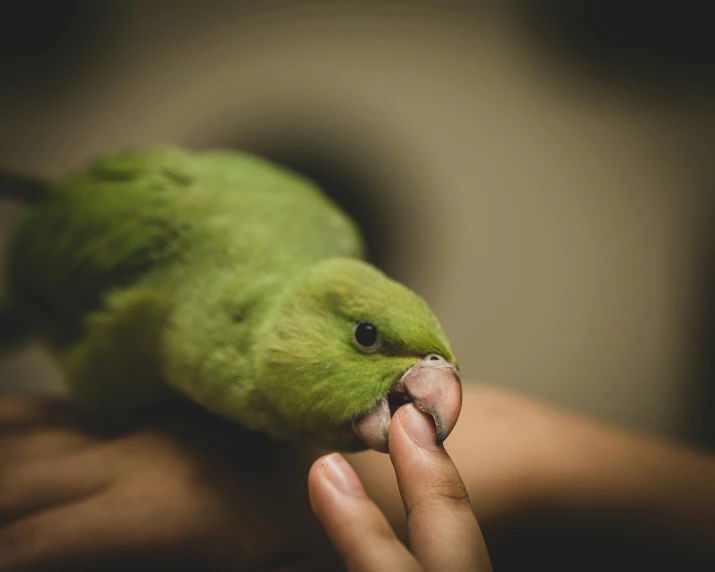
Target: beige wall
<point>553,223</point>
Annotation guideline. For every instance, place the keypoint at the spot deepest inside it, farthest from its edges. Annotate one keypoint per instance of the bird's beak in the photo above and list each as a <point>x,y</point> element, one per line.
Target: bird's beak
<point>434,387</point>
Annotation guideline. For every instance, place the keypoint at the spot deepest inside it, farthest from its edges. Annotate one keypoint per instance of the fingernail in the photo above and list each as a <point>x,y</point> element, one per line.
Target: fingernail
<point>419,426</point>
<point>342,475</point>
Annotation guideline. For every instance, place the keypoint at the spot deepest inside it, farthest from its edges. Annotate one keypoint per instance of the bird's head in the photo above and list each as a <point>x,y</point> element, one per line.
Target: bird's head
<point>343,348</point>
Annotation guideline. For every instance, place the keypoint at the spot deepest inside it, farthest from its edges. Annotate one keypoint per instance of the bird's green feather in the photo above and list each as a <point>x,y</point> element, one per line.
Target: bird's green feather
<point>218,275</point>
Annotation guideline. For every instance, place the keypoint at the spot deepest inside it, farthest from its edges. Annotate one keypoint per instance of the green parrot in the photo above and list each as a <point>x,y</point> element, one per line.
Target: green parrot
<point>229,280</point>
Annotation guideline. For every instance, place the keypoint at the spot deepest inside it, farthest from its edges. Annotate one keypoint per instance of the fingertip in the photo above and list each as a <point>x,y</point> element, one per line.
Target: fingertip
<point>439,514</point>
<point>411,432</point>
<point>419,426</point>
<point>341,475</point>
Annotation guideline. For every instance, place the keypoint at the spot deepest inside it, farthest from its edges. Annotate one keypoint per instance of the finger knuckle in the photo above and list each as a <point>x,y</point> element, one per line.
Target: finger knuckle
<point>450,489</point>
<point>441,492</point>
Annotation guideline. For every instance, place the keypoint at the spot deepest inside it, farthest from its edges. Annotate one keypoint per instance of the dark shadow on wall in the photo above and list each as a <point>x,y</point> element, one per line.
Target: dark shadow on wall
<point>664,46</point>
<point>41,42</point>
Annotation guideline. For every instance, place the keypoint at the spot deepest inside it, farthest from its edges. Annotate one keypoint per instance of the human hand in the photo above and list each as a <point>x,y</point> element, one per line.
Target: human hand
<point>556,490</point>
<point>136,485</point>
<point>442,529</point>
<point>156,498</point>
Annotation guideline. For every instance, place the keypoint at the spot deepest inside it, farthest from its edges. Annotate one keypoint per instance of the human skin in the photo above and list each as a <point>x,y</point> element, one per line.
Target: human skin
<point>163,495</point>
<point>443,533</point>
<point>567,490</point>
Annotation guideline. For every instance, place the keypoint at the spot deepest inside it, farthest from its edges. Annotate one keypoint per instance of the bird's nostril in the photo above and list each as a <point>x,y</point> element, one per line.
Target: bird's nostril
<point>434,357</point>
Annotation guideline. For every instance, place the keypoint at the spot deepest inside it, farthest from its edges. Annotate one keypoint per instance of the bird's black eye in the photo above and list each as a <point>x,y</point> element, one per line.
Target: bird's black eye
<point>365,334</point>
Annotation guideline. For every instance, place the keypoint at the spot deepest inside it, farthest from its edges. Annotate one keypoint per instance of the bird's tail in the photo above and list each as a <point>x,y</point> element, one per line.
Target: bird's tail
<point>21,187</point>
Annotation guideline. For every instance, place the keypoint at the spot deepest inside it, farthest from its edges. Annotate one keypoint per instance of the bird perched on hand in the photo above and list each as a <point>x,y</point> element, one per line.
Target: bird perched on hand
<point>229,280</point>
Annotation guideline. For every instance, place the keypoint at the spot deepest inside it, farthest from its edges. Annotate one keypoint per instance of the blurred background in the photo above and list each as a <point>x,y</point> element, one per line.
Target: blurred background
<point>539,171</point>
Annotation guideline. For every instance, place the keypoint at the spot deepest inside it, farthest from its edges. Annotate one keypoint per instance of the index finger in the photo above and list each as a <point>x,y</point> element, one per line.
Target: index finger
<point>442,529</point>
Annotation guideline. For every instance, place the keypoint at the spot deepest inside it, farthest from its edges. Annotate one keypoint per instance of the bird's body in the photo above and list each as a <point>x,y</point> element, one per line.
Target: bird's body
<point>160,269</point>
